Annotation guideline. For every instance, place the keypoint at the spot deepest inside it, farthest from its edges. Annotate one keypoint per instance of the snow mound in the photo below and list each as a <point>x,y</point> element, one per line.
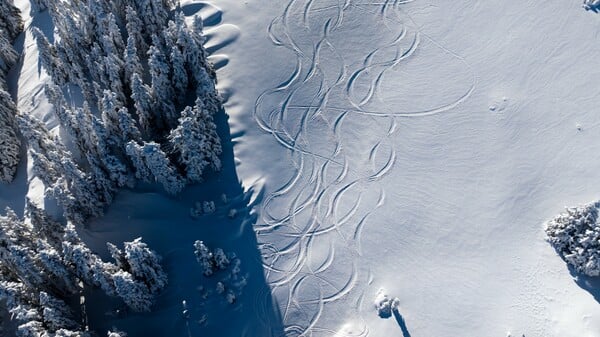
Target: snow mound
<point>575,235</point>
<point>385,305</point>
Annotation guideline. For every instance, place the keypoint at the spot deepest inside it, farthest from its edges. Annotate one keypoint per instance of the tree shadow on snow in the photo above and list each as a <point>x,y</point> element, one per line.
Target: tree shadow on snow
<point>400,320</point>
<point>588,283</point>
<point>167,227</point>
<point>211,15</point>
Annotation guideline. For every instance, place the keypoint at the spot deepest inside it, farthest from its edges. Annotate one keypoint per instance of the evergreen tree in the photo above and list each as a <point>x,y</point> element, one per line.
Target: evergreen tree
<point>134,293</point>
<point>180,78</point>
<point>150,159</point>
<point>9,141</point>
<point>10,19</point>
<point>143,102</point>
<point>144,265</point>
<point>196,142</point>
<point>162,91</point>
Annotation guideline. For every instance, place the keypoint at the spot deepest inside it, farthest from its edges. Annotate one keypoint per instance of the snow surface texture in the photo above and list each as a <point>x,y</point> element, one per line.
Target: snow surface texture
<point>575,235</point>
<point>452,225</point>
<point>418,146</point>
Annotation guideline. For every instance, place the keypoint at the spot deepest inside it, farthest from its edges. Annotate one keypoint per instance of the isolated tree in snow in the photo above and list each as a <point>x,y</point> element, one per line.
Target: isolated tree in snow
<point>575,235</point>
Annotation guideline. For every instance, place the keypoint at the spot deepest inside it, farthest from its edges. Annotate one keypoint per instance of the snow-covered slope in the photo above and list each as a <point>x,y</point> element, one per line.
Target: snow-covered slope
<point>418,146</point>
<point>413,149</point>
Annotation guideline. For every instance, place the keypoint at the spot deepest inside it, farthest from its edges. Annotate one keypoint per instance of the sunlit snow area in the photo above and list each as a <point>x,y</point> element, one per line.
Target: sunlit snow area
<point>300,168</point>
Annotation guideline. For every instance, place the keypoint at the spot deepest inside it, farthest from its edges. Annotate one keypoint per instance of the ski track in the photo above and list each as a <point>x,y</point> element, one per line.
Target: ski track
<point>324,207</point>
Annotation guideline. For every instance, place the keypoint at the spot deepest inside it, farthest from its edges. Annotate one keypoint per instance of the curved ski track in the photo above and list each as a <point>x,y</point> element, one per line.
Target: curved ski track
<point>330,196</point>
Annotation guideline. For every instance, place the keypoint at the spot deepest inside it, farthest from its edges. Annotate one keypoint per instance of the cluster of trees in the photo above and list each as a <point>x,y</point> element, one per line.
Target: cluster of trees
<point>10,26</point>
<point>575,235</point>
<point>43,262</point>
<point>148,101</point>
<point>136,63</point>
<point>231,282</point>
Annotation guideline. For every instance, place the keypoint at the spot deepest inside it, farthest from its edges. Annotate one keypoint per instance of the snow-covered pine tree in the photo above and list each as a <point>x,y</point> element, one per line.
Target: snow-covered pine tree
<point>10,19</point>
<point>10,25</point>
<point>9,141</point>
<point>132,60</point>
<point>87,265</point>
<point>50,61</point>
<point>204,257</point>
<point>149,160</point>
<point>162,91</point>
<point>195,141</point>
<point>134,293</point>
<point>8,55</point>
<point>179,80</point>
<point>119,124</point>
<point>55,314</point>
<point>135,29</point>
<point>55,166</point>
<point>143,103</point>
<point>575,234</point>
<point>144,265</point>
<point>42,225</point>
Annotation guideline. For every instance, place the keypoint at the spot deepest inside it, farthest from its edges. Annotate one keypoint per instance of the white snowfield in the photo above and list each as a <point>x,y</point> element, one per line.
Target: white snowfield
<point>416,146</point>
<point>419,146</point>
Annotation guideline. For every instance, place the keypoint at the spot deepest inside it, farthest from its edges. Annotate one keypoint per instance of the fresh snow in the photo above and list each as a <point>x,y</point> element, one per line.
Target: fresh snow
<point>416,146</point>
<point>419,146</point>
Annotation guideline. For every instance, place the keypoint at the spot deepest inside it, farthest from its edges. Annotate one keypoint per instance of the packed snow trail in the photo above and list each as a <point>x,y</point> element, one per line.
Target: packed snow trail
<point>338,89</point>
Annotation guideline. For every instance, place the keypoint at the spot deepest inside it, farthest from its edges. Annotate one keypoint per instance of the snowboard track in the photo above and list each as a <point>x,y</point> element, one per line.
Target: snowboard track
<point>313,113</point>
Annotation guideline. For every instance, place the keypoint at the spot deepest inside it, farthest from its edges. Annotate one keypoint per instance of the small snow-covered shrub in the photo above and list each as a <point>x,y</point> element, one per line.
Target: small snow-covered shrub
<point>116,334</point>
<point>385,306</point>
<point>230,281</point>
<point>204,257</point>
<point>575,234</point>
<point>208,207</point>
<point>220,288</point>
<point>221,260</point>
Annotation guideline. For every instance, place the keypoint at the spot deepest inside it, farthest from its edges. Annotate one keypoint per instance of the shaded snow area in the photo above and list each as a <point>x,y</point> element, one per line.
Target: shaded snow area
<point>299,168</point>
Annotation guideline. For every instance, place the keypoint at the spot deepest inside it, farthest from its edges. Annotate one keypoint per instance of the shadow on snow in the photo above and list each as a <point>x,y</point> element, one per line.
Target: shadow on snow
<point>166,225</point>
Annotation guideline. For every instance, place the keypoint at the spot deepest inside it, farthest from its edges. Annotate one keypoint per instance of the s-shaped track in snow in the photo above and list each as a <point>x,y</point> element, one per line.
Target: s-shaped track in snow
<point>332,115</point>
